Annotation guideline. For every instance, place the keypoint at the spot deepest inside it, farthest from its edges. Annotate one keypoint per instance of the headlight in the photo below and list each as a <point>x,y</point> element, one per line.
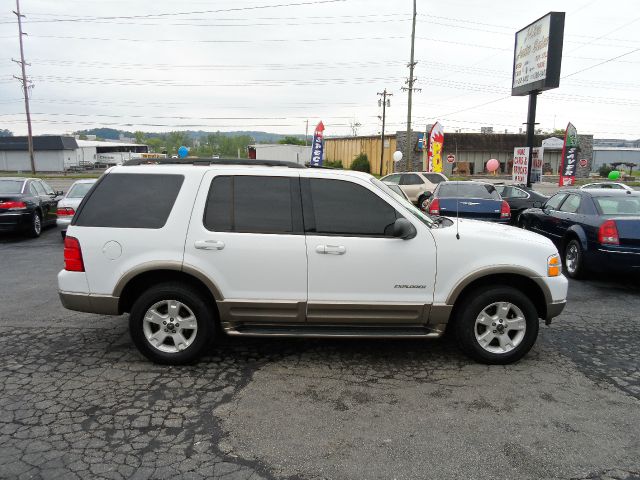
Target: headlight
<point>554,265</point>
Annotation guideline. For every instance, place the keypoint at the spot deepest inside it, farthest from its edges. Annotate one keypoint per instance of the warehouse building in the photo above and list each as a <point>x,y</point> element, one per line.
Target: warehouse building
<point>277,151</point>
<point>58,153</point>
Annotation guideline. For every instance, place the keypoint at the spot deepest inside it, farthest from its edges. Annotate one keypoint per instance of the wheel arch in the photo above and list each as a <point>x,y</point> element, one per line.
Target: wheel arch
<point>532,286</point>
<point>132,284</point>
<point>575,232</point>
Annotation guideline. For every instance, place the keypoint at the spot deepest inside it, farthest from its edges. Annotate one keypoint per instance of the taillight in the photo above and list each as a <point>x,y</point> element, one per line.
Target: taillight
<point>10,205</point>
<point>73,255</point>
<point>608,233</point>
<point>66,212</point>
<point>505,210</point>
<point>434,207</point>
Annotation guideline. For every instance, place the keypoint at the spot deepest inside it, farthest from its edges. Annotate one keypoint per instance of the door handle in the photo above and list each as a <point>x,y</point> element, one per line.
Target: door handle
<point>331,249</point>
<point>209,245</point>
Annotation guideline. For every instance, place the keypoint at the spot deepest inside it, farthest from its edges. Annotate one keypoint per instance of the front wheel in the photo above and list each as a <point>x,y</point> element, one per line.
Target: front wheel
<point>171,324</point>
<point>496,325</point>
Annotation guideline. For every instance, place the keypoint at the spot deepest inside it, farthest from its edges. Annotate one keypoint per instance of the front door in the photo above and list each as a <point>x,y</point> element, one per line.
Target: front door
<point>246,236</point>
<point>358,272</point>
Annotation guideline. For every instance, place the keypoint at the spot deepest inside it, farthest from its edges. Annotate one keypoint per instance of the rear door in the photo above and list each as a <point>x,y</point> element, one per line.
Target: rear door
<point>246,235</point>
<point>569,213</point>
<point>413,185</point>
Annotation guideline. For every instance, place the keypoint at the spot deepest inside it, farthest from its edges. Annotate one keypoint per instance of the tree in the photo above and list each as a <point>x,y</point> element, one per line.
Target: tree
<point>5,133</point>
<point>139,136</point>
<point>291,140</point>
<point>82,136</point>
<point>558,131</point>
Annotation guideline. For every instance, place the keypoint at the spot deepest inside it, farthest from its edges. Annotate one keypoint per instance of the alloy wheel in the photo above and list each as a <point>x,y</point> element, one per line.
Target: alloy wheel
<point>500,327</point>
<point>170,326</point>
<point>571,258</point>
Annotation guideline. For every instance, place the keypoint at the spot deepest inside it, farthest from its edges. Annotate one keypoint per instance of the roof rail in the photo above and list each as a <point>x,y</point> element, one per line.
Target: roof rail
<point>211,161</point>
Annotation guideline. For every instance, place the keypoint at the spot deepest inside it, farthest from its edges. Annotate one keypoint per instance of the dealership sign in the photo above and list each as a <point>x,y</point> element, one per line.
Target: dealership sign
<point>569,157</point>
<point>434,151</point>
<point>520,164</point>
<point>317,146</point>
<point>536,164</point>
<point>538,55</point>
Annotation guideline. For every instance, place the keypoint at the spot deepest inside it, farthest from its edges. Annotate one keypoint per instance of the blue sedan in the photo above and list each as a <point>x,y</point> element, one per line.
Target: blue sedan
<point>476,200</point>
<point>597,230</point>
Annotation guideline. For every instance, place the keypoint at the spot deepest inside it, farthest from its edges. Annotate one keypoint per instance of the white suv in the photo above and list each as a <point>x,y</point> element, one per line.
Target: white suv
<point>272,249</point>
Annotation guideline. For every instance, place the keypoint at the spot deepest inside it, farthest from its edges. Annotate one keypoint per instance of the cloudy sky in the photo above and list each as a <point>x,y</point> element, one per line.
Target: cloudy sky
<point>270,65</point>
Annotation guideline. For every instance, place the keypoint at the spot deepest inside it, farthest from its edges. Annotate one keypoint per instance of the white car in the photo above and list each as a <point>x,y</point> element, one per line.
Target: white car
<point>263,248</point>
<point>69,204</point>
<point>611,185</point>
<point>418,186</point>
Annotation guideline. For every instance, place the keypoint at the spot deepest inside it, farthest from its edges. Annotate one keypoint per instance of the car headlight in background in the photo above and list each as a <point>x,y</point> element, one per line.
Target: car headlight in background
<point>554,265</point>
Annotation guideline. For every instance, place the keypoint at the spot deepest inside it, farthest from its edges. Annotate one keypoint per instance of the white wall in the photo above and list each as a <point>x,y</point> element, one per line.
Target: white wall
<point>45,160</point>
<point>286,153</point>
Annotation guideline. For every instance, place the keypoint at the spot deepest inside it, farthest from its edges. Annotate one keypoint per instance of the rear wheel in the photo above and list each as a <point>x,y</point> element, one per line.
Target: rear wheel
<point>496,325</point>
<point>574,259</point>
<point>171,324</point>
<point>35,228</point>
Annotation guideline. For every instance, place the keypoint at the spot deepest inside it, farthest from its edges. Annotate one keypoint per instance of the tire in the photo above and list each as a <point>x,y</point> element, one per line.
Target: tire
<point>422,200</point>
<point>179,345</point>
<point>494,343</point>
<point>573,259</point>
<point>35,228</point>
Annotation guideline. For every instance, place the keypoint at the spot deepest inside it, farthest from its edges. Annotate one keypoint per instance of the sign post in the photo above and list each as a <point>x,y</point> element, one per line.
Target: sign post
<point>537,59</point>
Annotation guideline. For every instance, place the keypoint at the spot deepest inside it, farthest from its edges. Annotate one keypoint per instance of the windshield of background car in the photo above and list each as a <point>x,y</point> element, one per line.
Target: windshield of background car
<point>11,186</point>
<point>618,205</point>
<point>468,190</point>
<point>419,214</point>
<point>79,190</point>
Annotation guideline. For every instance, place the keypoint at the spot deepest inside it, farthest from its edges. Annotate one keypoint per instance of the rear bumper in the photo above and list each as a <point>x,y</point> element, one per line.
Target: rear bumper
<point>63,222</point>
<point>613,259</point>
<point>14,221</point>
<point>83,302</point>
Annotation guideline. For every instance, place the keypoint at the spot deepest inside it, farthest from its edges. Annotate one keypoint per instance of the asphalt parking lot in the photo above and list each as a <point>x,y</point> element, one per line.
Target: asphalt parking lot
<point>78,401</point>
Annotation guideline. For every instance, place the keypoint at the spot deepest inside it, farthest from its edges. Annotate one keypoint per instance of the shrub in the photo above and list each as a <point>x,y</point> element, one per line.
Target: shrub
<point>333,164</point>
<point>361,163</point>
<point>604,170</point>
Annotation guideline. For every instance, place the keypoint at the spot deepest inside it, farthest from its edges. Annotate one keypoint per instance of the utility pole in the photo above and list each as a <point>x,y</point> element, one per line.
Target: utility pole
<point>409,89</point>
<point>25,88</point>
<point>384,96</point>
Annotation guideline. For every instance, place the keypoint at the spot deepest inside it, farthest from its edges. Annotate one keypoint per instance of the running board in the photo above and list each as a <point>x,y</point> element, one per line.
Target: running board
<point>328,331</point>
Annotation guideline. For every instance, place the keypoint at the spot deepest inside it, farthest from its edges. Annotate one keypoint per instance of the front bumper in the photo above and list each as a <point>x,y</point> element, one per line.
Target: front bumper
<point>85,302</point>
<point>553,310</point>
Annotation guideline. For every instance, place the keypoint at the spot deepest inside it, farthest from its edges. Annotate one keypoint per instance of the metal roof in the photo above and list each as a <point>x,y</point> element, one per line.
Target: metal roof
<point>45,142</point>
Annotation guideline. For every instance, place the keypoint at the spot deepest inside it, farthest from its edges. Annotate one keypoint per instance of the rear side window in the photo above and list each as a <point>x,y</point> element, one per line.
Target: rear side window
<point>434,177</point>
<point>411,179</point>
<point>618,205</point>
<point>254,204</point>
<point>130,200</point>
<point>345,208</point>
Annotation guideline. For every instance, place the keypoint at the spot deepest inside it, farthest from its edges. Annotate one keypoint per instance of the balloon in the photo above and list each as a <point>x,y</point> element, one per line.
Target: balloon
<point>492,165</point>
<point>397,156</point>
<point>614,175</point>
<point>183,151</point>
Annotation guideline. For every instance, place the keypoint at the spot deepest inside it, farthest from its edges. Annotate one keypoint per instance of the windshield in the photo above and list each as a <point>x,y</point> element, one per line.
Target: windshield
<point>11,186</point>
<point>467,190</point>
<point>79,190</point>
<point>618,205</point>
<point>421,216</point>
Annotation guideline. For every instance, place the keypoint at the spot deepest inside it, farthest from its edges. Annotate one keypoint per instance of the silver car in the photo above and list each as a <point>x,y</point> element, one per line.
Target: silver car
<point>69,204</point>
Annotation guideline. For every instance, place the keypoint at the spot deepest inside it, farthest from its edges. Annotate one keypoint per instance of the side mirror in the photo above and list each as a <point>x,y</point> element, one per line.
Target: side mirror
<point>427,194</point>
<point>538,204</point>
<point>59,193</point>
<point>402,228</point>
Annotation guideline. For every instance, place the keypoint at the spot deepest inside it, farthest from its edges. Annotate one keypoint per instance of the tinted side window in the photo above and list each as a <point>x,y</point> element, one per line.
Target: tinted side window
<point>434,177</point>
<point>554,202</point>
<point>571,204</point>
<point>254,204</point>
<point>411,179</point>
<point>345,208</point>
<point>518,193</point>
<point>130,200</point>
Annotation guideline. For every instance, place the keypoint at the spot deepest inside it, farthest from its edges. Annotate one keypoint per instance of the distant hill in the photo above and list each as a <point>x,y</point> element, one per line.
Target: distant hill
<point>259,137</point>
<point>5,133</point>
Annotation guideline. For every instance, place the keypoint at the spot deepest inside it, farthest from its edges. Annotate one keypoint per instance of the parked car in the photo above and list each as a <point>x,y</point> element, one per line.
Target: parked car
<point>398,191</point>
<point>27,205</point>
<point>595,229</point>
<point>263,248</point>
<point>477,200</point>
<point>416,184</point>
<point>519,198</point>
<point>609,185</point>
<point>69,204</point>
